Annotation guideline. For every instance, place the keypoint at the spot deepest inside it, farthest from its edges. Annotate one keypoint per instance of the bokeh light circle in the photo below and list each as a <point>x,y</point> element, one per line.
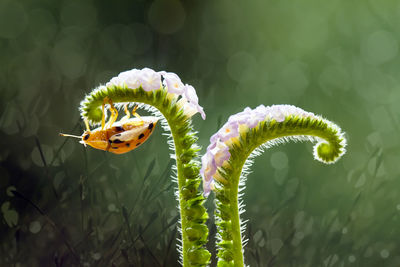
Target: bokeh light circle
<point>167,16</point>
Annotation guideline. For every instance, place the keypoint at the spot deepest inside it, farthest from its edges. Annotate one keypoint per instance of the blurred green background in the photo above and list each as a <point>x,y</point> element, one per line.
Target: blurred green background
<point>66,205</point>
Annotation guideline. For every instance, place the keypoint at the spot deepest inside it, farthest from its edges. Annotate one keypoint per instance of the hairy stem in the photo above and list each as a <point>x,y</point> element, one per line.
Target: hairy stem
<point>236,234</point>
<point>193,215</point>
<point>330,146</point>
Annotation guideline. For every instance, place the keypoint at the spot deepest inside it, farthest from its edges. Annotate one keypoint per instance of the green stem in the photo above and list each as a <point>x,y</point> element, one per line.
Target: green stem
<point>193,214</point>
<point>227,214</point>
<point>237,248</point>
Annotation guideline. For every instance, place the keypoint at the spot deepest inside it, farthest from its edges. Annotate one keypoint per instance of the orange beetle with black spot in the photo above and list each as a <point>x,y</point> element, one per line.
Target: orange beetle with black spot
<point>118,137</point>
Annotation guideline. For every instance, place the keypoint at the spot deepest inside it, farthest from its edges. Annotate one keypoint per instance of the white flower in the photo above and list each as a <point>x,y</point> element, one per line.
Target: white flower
<point>188,108</point>
<point>277,113</point>
<point>149,79</point>
<point>229,130</point>
<point>173,83</point>
<point>201,111</point>
<point>131,78</point>
<point>190,94</point>
<point>207,187</point>
<point>116,81</point>
<point>208,167</point>
<point>220,153</point>
<point>218,150</point>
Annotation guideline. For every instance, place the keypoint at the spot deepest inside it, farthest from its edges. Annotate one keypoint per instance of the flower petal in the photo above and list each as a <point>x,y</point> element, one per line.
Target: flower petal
<point>173,83</point>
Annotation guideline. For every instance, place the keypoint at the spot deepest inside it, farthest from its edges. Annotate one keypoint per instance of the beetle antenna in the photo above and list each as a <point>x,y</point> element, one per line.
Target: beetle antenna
<point>70,135</point>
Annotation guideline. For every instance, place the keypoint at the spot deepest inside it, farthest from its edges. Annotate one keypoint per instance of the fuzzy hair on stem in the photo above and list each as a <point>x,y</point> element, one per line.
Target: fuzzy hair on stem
<point>172,109</point>
<point>230,155</point>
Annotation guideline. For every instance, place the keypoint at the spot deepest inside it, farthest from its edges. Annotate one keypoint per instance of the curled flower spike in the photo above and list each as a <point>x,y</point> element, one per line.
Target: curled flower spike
<point>244,136</point>
<point>150,80</point>
<point>163,94</point>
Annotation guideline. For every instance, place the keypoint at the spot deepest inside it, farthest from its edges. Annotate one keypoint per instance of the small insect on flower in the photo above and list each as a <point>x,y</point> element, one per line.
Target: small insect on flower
<point>120,136</point>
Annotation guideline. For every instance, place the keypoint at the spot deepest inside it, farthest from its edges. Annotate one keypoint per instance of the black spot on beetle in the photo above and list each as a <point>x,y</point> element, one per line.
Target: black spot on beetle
<point>86,137</point>
<point>141,136</point>
<point>117,141</point>
<point>151,126</point>
<point>113,147</point>
<point>118,135</point>
<point>110,141</point>
<point>138,144</point>
<point>127,144</point>
<point>119,128</point>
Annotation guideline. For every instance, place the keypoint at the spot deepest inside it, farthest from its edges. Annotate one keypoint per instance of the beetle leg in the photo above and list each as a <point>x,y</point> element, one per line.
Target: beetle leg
<point>103,116</point>
<point>128,115</point>
<point>114,113</point>
<point>87,125</point>
<point>137,115</point>
<point>112,116</point>
<point>134,112</point>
